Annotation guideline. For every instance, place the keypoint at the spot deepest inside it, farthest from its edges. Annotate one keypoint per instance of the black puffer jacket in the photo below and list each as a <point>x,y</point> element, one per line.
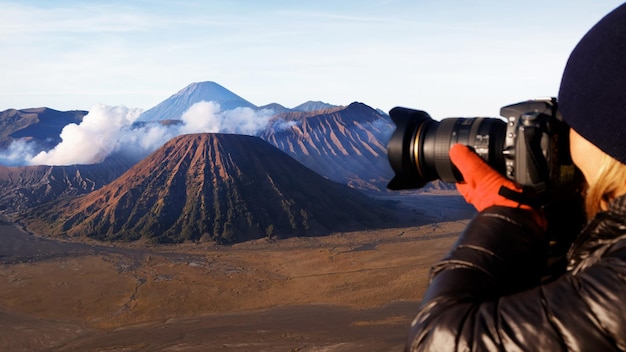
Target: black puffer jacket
<point>486,295</point>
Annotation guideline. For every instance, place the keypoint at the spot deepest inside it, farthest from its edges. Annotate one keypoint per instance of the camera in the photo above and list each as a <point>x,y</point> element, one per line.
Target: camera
<point>529,145</point>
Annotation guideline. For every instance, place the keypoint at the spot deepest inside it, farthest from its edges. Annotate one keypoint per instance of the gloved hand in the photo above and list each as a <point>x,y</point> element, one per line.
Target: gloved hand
<point>481,183</point>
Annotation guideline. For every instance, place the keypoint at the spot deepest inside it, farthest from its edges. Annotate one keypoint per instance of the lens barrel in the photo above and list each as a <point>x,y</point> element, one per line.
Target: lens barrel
<point>418,148</point>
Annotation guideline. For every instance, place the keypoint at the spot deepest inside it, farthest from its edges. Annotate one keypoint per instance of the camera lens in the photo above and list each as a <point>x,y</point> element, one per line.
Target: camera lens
<point>418,149</point>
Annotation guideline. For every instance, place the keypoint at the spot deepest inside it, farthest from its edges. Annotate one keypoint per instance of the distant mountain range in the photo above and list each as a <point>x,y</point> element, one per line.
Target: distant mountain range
<point>225,188</point>
<point>173,107</point>
<point>347,144</point>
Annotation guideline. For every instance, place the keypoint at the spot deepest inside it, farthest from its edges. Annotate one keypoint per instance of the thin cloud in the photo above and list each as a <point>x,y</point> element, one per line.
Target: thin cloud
<point>80,53</point>
<point>20,19</point>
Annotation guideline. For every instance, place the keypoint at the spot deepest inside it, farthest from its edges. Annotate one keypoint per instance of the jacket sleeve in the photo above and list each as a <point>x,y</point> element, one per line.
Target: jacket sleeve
<point>469,303</point>
<point>485,294</point>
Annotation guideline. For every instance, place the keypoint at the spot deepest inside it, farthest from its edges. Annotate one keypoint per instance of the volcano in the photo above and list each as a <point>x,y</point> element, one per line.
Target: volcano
<point>212,187</point>
<point>173,107</point>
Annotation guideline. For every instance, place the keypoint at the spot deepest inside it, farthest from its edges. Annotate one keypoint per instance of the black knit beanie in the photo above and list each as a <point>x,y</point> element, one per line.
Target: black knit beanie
<point>592,97</point>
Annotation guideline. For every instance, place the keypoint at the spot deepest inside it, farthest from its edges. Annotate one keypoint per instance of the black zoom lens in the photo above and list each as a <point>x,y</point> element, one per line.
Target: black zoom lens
<point>418,149</point>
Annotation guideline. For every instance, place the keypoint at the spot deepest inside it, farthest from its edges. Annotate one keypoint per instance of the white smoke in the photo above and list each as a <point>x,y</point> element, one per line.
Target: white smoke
<point>206,117</point>
<point>16,153</point>
<point>99,134</point>
<point>201,117</point>
<point>109,129</point>
<point>281,125</point>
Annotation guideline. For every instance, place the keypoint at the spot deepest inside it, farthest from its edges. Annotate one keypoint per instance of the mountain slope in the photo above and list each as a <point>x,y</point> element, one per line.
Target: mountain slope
<point>345,144</point>
<point>227,188</point>
<point>41,125</point>
<point>173,107</point>
<point>23,187</point>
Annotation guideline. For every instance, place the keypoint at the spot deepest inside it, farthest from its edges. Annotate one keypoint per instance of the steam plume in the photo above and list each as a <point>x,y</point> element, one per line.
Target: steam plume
<point>98,135</point>
<point>107,129</point>
<point>17,153</point>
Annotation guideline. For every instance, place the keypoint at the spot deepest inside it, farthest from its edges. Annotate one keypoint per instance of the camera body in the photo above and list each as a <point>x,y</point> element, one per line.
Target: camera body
<point>536,147</point>
<point>530,146</point>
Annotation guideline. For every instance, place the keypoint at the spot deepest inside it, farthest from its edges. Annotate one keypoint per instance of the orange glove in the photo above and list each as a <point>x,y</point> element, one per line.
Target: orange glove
<point>481,184</point>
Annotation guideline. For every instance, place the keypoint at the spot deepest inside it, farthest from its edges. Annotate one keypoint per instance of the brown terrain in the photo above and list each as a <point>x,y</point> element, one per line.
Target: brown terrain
<point>343,292</point>
<point>218,242</point>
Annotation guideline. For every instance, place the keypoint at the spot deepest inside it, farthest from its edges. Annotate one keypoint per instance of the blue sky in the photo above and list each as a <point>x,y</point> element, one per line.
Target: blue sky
<point>450,58</point>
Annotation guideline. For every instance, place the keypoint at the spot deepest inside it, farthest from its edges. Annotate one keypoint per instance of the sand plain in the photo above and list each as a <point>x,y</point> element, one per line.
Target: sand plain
<point>344,292</point>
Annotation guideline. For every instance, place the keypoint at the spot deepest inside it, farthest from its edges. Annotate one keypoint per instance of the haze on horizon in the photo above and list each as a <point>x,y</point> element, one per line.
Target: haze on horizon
<point>449,58</point>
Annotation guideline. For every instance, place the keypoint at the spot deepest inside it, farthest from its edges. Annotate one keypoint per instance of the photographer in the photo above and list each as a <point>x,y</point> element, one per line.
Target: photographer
<point>488,293</point>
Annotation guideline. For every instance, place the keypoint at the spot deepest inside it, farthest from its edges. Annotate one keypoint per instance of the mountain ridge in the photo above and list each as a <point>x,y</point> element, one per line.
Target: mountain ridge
<point>40,125</point>
<point>345,144</point>
<point>311,106</point>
